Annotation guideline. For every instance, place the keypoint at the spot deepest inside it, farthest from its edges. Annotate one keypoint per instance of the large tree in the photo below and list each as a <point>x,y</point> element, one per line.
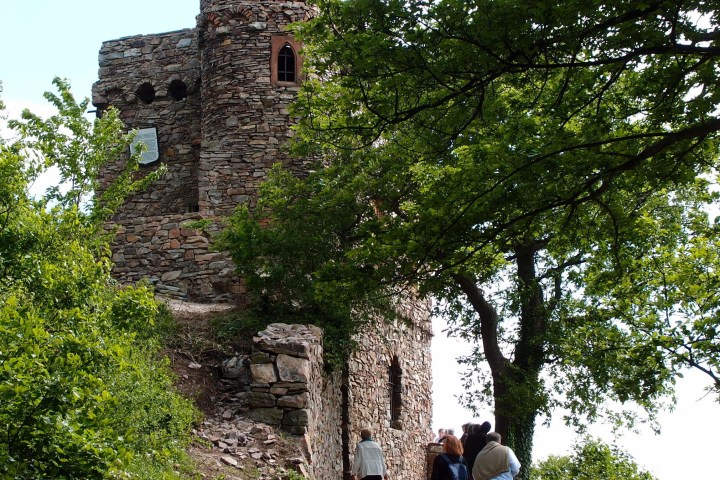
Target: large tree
<point>540,169</point>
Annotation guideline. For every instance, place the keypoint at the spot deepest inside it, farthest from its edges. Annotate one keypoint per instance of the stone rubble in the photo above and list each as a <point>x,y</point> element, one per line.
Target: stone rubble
<point>237,441</point>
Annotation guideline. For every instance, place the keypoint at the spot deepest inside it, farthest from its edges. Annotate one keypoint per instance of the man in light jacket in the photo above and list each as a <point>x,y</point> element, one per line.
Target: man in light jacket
<point>369,463</point>
<point>495,461</point>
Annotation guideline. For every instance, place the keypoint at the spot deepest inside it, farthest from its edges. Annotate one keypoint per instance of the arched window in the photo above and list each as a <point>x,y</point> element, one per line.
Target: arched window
<point>285,61</point>
<point>395,391</point>
<point>286,64</point>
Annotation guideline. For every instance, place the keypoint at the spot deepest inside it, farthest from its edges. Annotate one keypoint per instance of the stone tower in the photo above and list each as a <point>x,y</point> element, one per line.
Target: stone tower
<point>244,118</point>
<point>212,103</point>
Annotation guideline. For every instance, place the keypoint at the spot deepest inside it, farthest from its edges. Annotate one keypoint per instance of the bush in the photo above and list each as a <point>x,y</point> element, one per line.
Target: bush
<point>591,460</point>
<point>84,393</point>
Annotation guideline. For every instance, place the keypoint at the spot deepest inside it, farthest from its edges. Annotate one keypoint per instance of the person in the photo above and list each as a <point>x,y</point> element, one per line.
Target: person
<point>475,442</point>
<point>448,431</point>
<point>466,428</point>
<point>450,465</point>
<point>495,461</point>
<point>369,462</point>
<point>441,434</point>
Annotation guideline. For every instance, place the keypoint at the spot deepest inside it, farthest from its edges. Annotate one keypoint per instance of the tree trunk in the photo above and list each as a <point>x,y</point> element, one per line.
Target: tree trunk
<point>517,390</point>
<point>517,431</point>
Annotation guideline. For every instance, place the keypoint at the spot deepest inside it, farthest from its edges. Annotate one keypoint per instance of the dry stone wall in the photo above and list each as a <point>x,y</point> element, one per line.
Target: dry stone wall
<point>137,75</point>
<point>176,259</point>
<point>245,117</point>
<point>289,389</point>
<point>221,124</point>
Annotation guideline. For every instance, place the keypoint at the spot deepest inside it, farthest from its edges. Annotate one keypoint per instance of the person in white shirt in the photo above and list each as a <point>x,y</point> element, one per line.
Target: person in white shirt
<point>369,463</point>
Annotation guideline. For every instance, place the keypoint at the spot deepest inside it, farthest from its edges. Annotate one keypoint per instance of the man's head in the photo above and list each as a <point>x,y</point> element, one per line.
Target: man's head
<point>441,432</point>
<point>365,433</point>
<point>493,437</point>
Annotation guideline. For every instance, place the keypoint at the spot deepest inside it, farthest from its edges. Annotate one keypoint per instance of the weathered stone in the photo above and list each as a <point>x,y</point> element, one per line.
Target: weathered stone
<point>270,416</point>
<point>293,401</point>
<point>257,400</point>
<point>260,357</point>
<point>293,369</point>
<point>234,368</point>
<point>263,373</point>
<point>171,276</point>
<point>295,417</point>
<point>295,429</point>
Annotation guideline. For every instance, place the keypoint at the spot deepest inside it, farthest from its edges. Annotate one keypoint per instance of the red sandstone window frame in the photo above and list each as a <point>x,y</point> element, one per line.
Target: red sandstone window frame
<point>277,43</point>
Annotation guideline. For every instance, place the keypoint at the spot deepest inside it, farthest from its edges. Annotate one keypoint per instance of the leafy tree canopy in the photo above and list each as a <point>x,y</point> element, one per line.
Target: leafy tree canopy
<point>542,170</point>
<point>83,391</point>
<point>591,459</point>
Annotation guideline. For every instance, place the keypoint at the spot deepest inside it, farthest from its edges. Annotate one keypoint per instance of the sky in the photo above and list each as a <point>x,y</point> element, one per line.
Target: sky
<point>42,39</point>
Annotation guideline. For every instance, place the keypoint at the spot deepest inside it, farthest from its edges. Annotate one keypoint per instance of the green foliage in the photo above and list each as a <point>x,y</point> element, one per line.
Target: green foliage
<point>305,280</point>
<point>590,460</point>
<point>537,168</point>
<point>242,323</point>
<point>84,391</point>
<point>292,475</point>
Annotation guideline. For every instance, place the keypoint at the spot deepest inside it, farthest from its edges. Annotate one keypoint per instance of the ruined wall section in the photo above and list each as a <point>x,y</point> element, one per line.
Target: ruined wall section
<point>154,81</point>
<point>175,259</point>
<point>290,389</point>
<point>245,116</point>
<point>404,439</point>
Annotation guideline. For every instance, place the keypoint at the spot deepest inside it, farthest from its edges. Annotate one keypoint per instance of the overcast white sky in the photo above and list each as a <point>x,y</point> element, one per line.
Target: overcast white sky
<point>41,39</point>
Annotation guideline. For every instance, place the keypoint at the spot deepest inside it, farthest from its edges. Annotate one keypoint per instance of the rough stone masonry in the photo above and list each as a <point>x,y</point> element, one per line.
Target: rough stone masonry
<point>213,101</point>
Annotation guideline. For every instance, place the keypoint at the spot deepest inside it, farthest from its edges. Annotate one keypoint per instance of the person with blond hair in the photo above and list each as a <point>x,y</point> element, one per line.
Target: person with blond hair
<point>369,462</point>
<point>450,465</point>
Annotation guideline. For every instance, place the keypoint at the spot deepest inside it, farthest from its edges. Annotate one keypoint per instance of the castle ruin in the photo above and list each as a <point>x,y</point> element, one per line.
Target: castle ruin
<point>212,104</point>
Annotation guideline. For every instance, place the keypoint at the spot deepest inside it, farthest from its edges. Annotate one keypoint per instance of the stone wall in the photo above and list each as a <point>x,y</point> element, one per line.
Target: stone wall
<point>289,389</point>
<point>221,123</point>
<point>245,117</point>
<point>433,450</point>
<point>154,80</point>
<point>405,440</point>
<point>176,259</point>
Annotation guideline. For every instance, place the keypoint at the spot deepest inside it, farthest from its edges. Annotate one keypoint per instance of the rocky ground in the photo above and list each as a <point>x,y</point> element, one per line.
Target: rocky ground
<point>215,374</point>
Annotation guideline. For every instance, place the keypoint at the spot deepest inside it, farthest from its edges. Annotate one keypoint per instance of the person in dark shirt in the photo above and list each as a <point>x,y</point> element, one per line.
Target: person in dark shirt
<point>475,442</point>
<point>453,456</point>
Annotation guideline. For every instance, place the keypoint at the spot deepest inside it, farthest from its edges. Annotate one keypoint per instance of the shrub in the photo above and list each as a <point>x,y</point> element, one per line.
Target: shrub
<point>591,459</point>
<point>84,393</point>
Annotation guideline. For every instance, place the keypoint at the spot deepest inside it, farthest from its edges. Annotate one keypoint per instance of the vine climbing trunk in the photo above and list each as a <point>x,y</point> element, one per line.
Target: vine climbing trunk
<point>518,394</point>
